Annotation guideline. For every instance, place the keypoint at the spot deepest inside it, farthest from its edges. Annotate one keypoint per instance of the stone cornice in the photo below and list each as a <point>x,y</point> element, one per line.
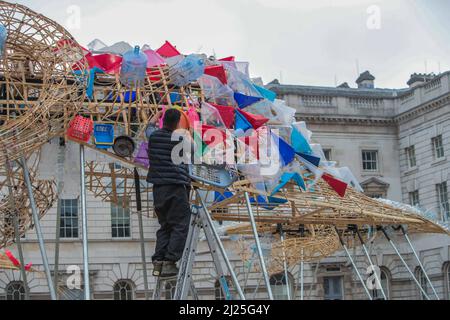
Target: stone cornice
<point>423,108</point>
<point>344,119</point>
<point>350,119</point>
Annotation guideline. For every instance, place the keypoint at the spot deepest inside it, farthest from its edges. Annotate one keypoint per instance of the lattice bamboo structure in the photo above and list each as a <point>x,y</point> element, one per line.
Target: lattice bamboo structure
<point>18,203</point>
<point>116,184</point>
<point>39,92</point>
<point>321,206</point>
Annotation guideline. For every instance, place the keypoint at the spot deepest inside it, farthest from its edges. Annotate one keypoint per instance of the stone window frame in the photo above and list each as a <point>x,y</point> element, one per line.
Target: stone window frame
<point>387,290</point>
<point>446,271</point>
<point>340,277</point>
<point>279,279</point>
<point>75,221</point>
<point>411,157</point>
<point>123,214</point>
<point>331,153</point>
<point>127,285</point>
<point>437,145</point>
<point>443,200</point>
<point>414,198</point>
<point>420,276</point>
<point>12,288</point>
<point>379,160</point>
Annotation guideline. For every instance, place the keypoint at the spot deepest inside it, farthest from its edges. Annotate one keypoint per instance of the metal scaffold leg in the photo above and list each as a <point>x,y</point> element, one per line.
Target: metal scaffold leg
<point>87,289</point>
<point>258,246</point>
<point>404,263</point>
<point>285,265</point>
<point>12,203</point>
<point>137,184</point>
<point>37,224</point>
<point>377,278</point>
<point>420,262</point>
<point>354,265</point>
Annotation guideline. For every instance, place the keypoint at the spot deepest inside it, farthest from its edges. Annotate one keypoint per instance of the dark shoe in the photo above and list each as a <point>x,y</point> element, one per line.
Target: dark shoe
<point>157,267</point>
<point>169,269</point>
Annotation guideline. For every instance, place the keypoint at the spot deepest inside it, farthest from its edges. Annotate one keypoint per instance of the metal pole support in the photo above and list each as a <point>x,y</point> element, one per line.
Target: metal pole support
<point>87,288</point>
<point>404,263</point>
<point>354,265</point>
<point>420,262</point>
<point>37,225</point>
<point>137,185</point>
<point>258,246</point>
<point>370,261</point>
<point>285,266</point>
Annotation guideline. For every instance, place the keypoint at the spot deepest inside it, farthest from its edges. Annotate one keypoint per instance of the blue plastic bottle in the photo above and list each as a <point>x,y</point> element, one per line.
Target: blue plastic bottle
<point>134,68</point>
<point>3,36</point>
<point>188,70</point>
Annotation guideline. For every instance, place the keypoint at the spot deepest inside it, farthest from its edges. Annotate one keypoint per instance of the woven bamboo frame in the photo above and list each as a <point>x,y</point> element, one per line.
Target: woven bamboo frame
<point>44,194</point>
<point>39,92</point>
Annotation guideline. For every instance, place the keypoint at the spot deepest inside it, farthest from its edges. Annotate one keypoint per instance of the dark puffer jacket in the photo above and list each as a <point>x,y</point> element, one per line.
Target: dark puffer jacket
<point>162,170</point>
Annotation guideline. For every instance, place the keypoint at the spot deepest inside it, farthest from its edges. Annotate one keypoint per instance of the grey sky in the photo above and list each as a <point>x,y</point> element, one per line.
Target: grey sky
<point>302,41</point>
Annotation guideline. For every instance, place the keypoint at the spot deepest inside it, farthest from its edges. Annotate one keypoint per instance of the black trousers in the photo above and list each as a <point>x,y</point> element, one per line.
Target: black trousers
<point>174,214</point>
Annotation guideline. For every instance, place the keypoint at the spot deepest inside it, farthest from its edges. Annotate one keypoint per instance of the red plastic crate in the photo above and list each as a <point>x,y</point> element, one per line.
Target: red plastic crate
<point>81,128</point>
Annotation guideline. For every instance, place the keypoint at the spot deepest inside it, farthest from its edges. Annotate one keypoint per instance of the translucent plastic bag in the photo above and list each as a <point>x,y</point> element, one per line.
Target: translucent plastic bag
<point>188,70</point>
<point>3,36</point>
<point>241,83</point>
<point>214,90</point>
<point>286,114</point>
<point>211,116</point>
<point>284,132</point>
<point>264,108</point>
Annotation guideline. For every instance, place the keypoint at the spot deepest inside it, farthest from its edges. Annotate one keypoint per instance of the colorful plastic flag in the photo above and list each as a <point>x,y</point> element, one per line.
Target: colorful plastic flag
<point>226,113</point>
<point>244,101</point>
<point>286,151</point>
<point>16,262</point>
<point>213,136</point>
<point>269,204</point>
<point>153,58</point>
<point>269,95</point>
<point>337,185</point>
<point>219,197</point>
<point>299,143</point>
<point>256,120</point>
<point>241,123</point>
<point>288,177</point>
<point>231,58</point>
<point>311,159</point>
<point>218,72</point>
<point>167,50</point>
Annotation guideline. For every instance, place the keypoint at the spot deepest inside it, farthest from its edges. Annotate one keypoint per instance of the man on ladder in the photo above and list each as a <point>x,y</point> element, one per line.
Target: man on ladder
<point>171,189</point>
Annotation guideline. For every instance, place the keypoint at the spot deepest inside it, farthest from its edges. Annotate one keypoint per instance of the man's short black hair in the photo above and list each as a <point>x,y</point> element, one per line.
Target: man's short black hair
<point>171,119</point>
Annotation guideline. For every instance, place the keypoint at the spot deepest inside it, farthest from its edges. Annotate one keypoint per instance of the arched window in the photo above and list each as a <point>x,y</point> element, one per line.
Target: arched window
<point>170,287</point>
<point>279,287</point>
<point>218,292</point>
<point>447,279</point>
<point>420,275</point>
<point>124,290</point>
<point>15,291</point>
<point>385,284</point>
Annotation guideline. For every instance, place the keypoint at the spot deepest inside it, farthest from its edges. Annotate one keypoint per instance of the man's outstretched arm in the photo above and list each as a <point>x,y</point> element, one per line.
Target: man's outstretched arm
<point>152,125</point>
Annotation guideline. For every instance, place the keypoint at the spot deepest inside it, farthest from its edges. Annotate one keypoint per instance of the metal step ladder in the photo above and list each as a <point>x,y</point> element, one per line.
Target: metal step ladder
<point>184,285</point>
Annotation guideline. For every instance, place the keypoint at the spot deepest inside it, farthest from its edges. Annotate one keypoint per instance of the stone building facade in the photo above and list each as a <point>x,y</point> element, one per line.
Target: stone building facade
<point>396,142</point>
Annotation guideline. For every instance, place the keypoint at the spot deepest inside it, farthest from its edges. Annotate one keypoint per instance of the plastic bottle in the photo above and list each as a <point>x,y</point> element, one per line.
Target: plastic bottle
<point>188,70</point>
<point>3,36</point>
<point>134,68</point>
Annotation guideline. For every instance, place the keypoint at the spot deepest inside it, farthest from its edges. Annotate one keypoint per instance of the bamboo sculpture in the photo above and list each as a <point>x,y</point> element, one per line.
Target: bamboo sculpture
<point>44,83</point>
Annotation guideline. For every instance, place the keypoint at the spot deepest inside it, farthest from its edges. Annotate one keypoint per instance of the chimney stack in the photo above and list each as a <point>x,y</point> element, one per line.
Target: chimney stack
<point>366,81</point>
